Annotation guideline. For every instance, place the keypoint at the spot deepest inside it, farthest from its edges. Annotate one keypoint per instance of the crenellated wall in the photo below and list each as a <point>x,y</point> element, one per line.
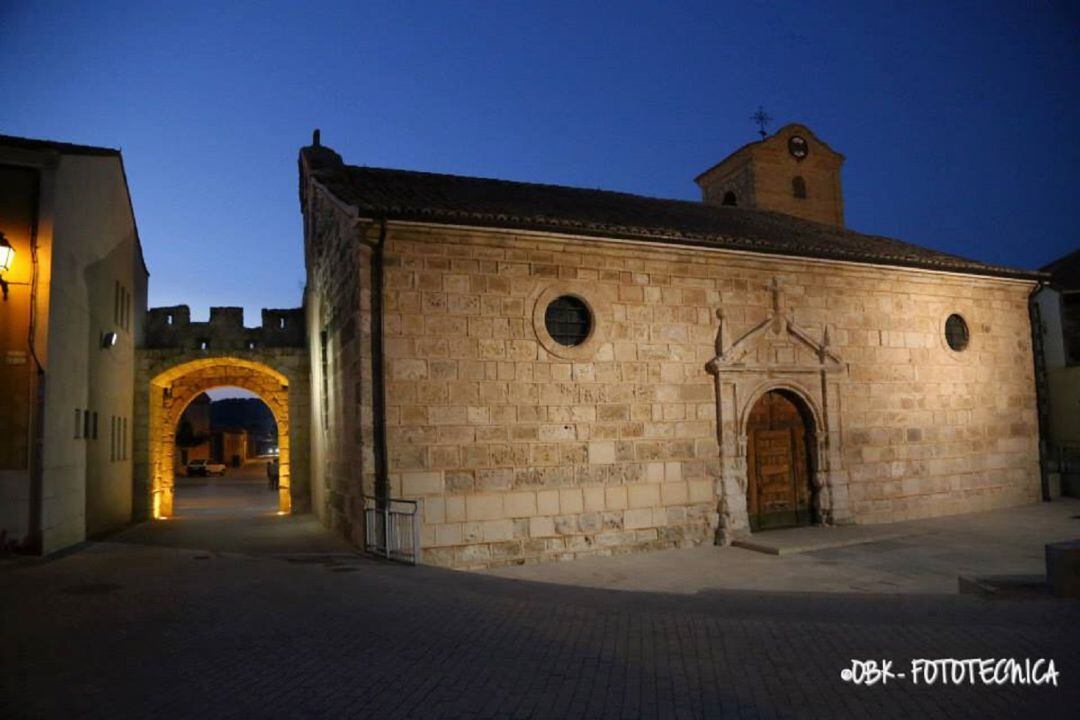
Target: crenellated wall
<point>171,327</point>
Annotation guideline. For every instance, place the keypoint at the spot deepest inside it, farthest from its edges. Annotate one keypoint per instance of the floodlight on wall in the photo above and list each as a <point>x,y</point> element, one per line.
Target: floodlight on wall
<point>7,256</point>
<point>108,340</point>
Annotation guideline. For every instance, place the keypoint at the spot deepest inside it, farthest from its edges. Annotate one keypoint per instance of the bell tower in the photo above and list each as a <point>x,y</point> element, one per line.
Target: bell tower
<point>791,172</point>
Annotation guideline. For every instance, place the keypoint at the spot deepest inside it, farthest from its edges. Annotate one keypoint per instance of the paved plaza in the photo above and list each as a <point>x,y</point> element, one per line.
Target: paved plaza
<point>249,614</point>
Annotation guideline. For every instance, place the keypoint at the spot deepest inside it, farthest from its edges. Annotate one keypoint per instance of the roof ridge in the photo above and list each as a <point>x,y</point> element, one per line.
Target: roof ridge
<point>448,198</point>
<point>526,183</point>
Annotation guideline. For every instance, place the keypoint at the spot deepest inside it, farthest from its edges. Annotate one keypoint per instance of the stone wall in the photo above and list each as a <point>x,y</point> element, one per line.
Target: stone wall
<point>338,255</point>
<point>523,452</point>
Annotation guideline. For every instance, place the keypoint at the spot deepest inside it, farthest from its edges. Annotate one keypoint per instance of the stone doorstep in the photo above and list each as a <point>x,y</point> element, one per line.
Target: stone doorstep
<point>808,539</point>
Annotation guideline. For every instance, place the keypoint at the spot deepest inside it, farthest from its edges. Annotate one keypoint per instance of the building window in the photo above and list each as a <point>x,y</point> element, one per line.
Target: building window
<point>568,320</point>
<point>730,199</point>
<point>324,364</point>
<point>1070,326</point>
<point>956,332</point>
<point>281,323</point>
<point>124,440</point>
<point>94,424</point>
<point>86,424</point>
<point>78,423</point>
<point>798,187</point>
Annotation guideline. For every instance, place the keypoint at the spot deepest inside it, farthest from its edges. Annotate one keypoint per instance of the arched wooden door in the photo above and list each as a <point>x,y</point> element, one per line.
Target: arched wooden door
<point>777,465</point>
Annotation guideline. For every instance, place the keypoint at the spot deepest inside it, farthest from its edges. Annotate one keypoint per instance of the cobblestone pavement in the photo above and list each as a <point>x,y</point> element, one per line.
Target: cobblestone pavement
<point>137,628</point>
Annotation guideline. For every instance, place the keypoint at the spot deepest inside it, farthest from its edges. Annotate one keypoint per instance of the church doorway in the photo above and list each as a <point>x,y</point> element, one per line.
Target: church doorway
<point>779,433</point>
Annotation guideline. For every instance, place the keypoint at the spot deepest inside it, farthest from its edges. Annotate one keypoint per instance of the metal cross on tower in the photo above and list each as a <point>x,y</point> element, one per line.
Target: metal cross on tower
<point>762,119</point>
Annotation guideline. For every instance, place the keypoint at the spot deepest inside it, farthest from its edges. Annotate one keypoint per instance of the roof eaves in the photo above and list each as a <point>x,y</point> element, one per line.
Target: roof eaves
<point>749,243</point>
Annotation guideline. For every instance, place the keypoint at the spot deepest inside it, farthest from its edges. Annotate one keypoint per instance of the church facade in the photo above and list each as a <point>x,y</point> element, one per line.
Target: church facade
<point>555,372</point>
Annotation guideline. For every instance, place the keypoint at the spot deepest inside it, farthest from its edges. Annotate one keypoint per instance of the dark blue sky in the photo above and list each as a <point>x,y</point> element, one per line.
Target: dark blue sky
<point>956,118</point>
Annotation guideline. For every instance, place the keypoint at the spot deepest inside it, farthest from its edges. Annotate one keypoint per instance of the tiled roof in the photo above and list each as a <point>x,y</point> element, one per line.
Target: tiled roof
<point>457,200</point>
<point>60,147</point>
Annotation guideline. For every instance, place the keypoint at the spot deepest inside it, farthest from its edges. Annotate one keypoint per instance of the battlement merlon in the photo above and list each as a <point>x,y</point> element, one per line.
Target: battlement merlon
<point>171,327</point>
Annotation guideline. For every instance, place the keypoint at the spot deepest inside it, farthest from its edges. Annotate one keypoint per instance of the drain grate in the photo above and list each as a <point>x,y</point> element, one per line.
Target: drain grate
<point>91,589</point>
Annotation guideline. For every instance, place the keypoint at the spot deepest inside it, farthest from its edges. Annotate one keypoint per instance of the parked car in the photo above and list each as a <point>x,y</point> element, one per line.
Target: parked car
<point>204,467</point>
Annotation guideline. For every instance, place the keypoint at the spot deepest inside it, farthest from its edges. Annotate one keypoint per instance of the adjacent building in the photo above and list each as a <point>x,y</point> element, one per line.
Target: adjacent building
<point>1058,318</point>
<point>70,319</point>
<point>555,371</point>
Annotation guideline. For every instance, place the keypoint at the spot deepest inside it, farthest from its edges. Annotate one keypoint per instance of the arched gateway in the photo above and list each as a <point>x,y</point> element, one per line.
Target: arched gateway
<point>184,359</point>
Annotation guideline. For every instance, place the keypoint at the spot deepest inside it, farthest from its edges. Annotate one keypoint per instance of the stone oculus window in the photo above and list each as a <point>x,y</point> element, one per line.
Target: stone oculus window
<point>956,333</point>
<point>568,320</point>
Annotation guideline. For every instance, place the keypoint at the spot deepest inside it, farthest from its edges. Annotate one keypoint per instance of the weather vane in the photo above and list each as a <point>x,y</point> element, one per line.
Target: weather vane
<point>761,118</point>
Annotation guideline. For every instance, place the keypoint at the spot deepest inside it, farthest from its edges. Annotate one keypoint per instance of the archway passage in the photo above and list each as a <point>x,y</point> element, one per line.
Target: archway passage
<point>779,433</point>
<point>226,457</point>
<point>172,391</point>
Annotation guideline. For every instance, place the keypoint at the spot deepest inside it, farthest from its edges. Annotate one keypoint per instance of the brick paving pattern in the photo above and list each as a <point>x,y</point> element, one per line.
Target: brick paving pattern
<point>121,630</point>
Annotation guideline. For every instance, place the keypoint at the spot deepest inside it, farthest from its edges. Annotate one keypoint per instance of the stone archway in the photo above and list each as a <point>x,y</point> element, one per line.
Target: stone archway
<point>777,355</point>
<point>172,390</point>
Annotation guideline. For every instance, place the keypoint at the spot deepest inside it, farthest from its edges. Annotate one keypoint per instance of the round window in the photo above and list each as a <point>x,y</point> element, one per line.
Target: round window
<point>568,320</point>
<point>956,332</point>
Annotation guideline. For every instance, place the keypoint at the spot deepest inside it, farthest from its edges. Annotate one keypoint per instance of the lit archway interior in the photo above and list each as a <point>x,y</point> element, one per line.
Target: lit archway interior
<point>173,390</point>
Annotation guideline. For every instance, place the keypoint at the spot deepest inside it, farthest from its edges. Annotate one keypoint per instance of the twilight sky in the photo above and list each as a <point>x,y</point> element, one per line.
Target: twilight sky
<point>956,118</point>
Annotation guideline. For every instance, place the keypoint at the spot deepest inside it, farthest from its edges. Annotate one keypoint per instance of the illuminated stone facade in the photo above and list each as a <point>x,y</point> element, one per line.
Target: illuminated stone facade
<point>183,359</point>
<point>522,450</point>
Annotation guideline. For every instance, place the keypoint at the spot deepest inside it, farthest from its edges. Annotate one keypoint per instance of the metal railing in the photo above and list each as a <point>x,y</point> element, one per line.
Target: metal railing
<point>392,530</point>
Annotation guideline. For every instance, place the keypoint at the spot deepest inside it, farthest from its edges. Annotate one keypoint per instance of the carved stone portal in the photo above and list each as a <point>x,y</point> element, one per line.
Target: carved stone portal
<point>776,354</point>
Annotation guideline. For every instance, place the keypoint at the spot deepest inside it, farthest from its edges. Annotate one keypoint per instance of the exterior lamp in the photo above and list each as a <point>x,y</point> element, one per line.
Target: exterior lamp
<point>7,255</point>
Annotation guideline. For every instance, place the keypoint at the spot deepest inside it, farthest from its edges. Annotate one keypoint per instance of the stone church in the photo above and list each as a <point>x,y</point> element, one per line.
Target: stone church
<point>555,371</point>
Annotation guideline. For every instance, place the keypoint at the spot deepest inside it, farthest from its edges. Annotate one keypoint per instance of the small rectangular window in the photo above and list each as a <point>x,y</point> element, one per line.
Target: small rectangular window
<point>124,442</point>
<point>86,424</point>
<point>116,304</point>
<point>78,422</point>
<point>127,310</point>
<point>323,340</point>
<point>112,438</point>
<point>281,323</point>
<point>94,435</point>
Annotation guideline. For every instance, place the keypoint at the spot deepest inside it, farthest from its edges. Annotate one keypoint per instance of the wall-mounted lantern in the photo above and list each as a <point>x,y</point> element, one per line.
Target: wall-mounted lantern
<point>108,340</point>
<point>7,256</point>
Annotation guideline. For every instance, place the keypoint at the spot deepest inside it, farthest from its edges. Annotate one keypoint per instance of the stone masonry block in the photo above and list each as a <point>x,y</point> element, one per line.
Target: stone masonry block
<point>422,483</point>
<point>642,496</point>
<point>484,507</point>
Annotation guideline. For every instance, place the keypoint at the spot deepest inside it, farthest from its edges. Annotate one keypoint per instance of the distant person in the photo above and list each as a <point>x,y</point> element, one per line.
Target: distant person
<point>270,484</point>
<point>275,474</point>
